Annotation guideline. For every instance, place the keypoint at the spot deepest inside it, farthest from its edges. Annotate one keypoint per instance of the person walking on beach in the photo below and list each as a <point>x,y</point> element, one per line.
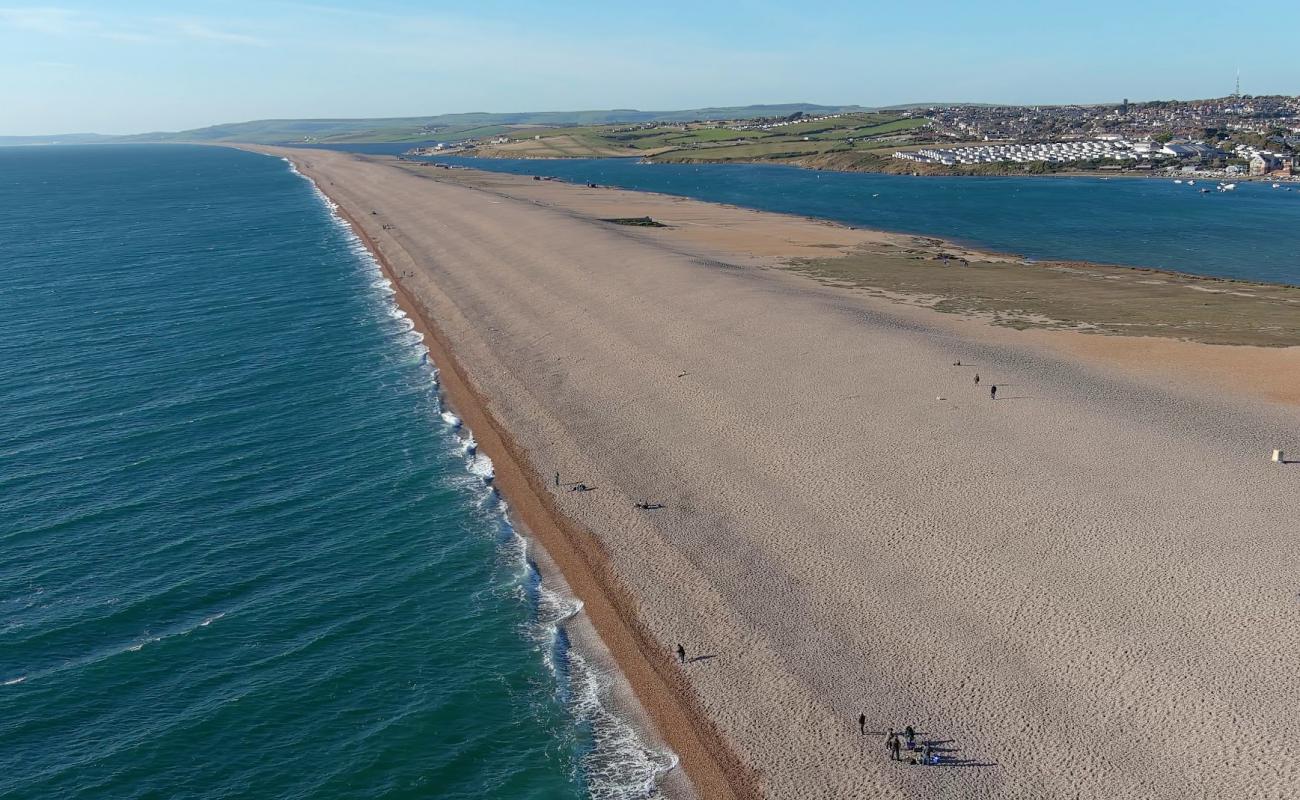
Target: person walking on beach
<point>889,741</point>
<point>862,724</point>
<point>895,748</point>
<point>910,732</point>
<point>977,379</point>
<point>681,654</point>
<point>993,392</point>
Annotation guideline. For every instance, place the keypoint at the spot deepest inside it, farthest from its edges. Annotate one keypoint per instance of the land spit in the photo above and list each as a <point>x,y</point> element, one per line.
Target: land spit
<point>1083,588</point>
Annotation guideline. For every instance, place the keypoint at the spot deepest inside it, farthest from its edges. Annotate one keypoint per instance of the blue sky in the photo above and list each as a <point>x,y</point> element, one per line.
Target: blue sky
<point>118,66</point>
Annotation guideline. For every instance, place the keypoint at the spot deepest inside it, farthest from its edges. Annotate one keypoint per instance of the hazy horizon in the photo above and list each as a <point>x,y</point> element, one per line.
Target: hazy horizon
<point>142,67</point>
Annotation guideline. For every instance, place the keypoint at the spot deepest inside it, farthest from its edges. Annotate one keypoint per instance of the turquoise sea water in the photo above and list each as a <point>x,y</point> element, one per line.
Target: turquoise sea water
<point>244,551</point>
<point>1252,233</point>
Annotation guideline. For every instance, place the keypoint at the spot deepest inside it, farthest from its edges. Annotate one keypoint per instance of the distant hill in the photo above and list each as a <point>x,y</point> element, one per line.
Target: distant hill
<point>422,129</point>
<point>66,138</point>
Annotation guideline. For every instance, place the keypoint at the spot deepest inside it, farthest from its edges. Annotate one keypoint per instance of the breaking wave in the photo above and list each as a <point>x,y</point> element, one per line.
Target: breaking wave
<point>615,762</point>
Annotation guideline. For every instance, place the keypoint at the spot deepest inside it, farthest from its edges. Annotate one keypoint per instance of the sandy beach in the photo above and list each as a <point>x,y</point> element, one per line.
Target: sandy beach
<point>1084,588</point>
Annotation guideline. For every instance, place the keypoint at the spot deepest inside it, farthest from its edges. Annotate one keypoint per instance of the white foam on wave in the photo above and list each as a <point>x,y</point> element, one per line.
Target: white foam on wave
<point>619,765</point>
<point>481,466</point>
<point>180,630</point>
<point>14,681</point>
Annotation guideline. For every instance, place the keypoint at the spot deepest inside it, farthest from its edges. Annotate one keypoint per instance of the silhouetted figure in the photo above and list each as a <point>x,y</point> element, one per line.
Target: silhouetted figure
<point>977,379</point>
<point>895,749</point>
<point>681,654</point>
<point>557,479</point>
<point>862,724</point>
<point>910,732</point>
<point>993,392</point>
<point>927,755</point>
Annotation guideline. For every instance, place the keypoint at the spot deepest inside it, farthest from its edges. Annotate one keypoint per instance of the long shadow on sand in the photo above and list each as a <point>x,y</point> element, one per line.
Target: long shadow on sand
<point>947,755</point>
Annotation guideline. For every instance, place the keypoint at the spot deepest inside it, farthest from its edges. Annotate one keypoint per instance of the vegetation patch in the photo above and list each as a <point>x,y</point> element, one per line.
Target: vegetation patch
<point>1070,296</point>
<point>636,222</point>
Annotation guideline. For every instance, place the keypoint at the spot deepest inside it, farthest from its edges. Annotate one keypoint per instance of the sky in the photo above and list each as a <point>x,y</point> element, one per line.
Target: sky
<point>131,66</point>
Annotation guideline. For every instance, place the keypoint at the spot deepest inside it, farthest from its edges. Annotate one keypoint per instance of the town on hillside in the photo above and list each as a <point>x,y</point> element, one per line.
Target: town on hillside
<point>1235,136</point>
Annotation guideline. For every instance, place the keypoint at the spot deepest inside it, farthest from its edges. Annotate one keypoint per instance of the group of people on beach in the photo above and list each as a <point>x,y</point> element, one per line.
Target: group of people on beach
<point>919,756</point>
<point>922,755</point>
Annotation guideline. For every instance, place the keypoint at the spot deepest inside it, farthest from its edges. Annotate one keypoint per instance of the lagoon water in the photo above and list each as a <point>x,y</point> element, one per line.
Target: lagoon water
<point>1252,233</point>
<point>244,551</point>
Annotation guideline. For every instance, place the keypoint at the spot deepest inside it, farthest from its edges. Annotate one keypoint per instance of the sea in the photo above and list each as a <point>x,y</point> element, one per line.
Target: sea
<point>1251,232</point>
<point>246,551</point>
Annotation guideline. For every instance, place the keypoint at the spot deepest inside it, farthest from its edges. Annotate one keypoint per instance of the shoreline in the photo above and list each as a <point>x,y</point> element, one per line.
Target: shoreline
<point>1115,302</point>
<point>975,248</point>
<point>712,770</point>
<point>808,442</point>
<point>796,162</point>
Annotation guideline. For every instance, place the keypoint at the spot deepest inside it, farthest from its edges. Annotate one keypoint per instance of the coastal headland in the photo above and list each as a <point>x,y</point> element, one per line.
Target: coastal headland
<point>1084,587</point>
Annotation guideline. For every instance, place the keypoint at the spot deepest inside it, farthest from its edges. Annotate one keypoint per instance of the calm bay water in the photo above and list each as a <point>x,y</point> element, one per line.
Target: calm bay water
<point>1252,233</point>
<point>244,551</point>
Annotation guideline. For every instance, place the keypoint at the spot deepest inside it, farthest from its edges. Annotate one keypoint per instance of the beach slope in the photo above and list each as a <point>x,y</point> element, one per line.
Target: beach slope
<point>1084,588</point>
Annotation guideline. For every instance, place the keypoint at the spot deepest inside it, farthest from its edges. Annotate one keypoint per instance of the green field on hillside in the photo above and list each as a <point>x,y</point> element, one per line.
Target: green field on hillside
<point>740,140</point>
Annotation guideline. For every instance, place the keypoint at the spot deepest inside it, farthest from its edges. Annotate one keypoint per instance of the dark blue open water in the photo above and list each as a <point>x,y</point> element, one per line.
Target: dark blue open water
<point>244,552</point>
<point>1252,233</point>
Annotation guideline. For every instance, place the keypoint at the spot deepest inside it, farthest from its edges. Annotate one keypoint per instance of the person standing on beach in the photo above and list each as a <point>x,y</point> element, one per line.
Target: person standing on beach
<point>681,654</point>
<point>910,732</point>
<point>862,724</point>
<point>977,379</point>
<point>895,748</point>
<point>993,392</point>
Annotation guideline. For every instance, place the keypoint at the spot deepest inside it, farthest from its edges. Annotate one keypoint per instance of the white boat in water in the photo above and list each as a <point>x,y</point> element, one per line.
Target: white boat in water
<point>1277,186</point>
<point>1177,180</point>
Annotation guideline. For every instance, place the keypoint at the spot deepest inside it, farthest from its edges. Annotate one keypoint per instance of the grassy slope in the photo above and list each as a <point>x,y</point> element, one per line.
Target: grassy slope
<point>447,127</point>
<point>873,134</point>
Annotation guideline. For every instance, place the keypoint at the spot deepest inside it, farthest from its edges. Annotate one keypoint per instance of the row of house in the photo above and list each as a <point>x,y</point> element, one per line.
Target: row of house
<point>766,126</point>
<point>1020,153</point>
<point>1112,148</point>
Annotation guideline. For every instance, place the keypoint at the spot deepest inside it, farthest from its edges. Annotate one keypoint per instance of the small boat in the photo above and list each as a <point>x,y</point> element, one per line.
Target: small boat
<point>1205,191</point>
<point>1227,187</point>
<point>1191,183</point>
<point>1178,180</point>
<point>1277,186</point>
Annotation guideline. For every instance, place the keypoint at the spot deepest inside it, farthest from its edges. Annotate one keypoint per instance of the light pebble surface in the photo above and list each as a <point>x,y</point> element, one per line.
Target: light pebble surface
<point>1086,588</point>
